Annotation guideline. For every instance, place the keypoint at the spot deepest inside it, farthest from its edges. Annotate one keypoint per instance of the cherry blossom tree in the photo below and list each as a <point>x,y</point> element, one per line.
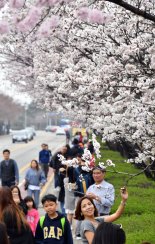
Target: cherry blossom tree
<point>9,110</point>
<point>95,60</point>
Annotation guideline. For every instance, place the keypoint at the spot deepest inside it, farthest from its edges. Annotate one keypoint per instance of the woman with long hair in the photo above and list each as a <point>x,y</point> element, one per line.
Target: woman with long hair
<point>3,234</point>
<point>35,178</point>
<point>17,227</point>
<point>18,198</point>
<point>87,212</point>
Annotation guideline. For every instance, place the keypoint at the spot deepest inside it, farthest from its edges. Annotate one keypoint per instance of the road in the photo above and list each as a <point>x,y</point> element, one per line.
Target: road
<point>23,153</point>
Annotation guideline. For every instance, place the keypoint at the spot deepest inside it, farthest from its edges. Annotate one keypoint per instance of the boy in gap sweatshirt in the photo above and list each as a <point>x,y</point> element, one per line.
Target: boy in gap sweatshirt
<point>53,228</point>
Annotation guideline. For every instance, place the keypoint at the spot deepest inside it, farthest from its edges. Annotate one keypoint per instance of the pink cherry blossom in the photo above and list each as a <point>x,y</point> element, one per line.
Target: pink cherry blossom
<point>48,26</point>
<point>83,13</point>
<point>16,3</point>
<point>4,27</point>
<point>44,30</point>
<point>42,3</point>
<point>53,2</point>
<point>92,15</point>
<point>54,22</point>
<point>48,2</point>
<point>2,3</point>
<point>96,16</point>
<point>31,19</point>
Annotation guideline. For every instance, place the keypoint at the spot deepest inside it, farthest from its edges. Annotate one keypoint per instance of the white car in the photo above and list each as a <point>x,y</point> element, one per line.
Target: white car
<point>32,130</point>
<point>30,133</point>
<point>20,135</point>
<point>60,131</point>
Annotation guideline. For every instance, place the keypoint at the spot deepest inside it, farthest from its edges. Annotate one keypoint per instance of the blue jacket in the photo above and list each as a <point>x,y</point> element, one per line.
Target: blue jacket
<point>44,156</point>
<point>35,177</point>
<point>52,231</point>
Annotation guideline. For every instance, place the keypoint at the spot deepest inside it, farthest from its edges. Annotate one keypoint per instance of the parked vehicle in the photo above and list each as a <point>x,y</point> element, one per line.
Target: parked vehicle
<point>32,130</point>
<point>51,128</point>
<point>20,136</point>
<point>60,131</point>
<point>30,135</point>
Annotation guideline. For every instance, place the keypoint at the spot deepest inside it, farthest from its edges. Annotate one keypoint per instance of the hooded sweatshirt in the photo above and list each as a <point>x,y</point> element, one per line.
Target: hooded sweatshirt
<point>52,232</point>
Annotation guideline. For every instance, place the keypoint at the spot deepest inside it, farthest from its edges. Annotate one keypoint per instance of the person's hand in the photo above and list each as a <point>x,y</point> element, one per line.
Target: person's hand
<point>124,194</point>
<point>61,170</point>
<point>41,185</point>
<point>91,195</point>
<point>74,186</point>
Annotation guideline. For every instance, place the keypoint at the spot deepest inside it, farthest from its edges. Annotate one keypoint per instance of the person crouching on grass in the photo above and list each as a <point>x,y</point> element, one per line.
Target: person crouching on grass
<point>53,228</point>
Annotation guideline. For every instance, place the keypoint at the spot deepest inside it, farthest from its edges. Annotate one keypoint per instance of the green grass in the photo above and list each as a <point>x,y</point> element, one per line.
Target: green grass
<point>138,220</point>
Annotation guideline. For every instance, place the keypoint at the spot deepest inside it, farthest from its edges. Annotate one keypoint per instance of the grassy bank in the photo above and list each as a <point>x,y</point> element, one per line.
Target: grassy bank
<point>138,219</point>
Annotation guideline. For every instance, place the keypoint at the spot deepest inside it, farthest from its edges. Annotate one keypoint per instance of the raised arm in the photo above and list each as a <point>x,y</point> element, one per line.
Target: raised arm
<point>120,210</point>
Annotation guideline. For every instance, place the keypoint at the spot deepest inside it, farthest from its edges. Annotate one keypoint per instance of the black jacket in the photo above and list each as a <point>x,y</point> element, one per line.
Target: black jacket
<point>56,162</point>
<point>75,150</point>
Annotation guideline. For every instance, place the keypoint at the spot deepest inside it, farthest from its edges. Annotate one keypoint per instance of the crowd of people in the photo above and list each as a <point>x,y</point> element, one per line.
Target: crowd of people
<point>85,200</point>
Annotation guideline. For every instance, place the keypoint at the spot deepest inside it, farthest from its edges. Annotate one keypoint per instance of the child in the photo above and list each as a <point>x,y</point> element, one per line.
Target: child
<point>32,214</point>
<point>53,227</point>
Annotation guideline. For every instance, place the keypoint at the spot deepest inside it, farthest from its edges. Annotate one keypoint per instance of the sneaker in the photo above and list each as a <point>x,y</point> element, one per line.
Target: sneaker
<point>78,237</point>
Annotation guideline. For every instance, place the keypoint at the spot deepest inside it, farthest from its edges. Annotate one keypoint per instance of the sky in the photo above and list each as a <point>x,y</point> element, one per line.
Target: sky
<point>9,89</point>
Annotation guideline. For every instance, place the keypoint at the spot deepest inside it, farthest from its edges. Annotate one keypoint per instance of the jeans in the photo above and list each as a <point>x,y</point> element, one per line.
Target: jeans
<point>35,194</point>
<point>56,179</point>
<point>62,207</point>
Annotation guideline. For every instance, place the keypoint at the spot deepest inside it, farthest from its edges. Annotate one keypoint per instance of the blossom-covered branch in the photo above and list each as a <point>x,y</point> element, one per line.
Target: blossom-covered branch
<point>133,9</point>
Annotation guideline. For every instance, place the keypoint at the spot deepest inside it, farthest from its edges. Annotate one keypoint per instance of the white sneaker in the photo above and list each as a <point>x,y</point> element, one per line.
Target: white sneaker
<point>78,237</point>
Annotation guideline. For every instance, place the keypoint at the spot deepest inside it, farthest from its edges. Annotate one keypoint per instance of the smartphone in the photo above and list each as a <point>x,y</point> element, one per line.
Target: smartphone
<point>123,189</point>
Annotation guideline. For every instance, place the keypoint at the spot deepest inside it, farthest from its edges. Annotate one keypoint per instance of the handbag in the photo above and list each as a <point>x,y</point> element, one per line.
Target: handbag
<point>26,185</point>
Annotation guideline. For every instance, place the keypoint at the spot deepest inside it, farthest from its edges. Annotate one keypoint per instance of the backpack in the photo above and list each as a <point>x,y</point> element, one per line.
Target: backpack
<point>62,220</point>
<point>82,185</point>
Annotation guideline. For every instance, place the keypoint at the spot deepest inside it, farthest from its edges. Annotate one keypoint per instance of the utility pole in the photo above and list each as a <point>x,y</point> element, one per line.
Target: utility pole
<point>25,115</point>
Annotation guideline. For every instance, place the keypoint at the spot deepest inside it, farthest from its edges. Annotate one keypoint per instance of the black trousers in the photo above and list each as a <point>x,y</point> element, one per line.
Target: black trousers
<point>45,169</point>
